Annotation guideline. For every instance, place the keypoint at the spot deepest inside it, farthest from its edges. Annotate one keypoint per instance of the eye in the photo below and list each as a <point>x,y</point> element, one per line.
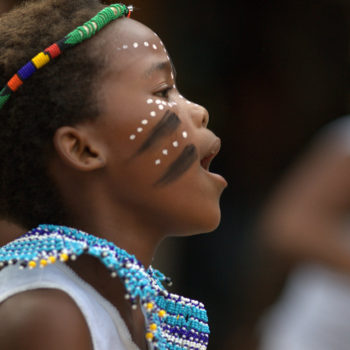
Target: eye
<point>164,92</point>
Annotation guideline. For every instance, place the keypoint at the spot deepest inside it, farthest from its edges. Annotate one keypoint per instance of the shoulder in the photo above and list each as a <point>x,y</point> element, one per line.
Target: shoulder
<point>42,319</point>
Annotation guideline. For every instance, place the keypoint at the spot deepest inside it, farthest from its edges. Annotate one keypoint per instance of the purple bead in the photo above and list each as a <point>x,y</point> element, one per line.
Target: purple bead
<point>26,71</point>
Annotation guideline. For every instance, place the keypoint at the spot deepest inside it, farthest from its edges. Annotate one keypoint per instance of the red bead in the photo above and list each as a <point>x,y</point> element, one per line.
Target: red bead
<point>53,50</point>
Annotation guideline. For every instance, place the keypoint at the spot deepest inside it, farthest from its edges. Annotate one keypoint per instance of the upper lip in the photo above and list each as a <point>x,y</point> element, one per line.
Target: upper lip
<point>209,151</point>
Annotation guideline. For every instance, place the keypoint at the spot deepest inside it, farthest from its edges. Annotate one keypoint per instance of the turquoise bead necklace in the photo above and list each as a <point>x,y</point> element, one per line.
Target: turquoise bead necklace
<point>172,322</point>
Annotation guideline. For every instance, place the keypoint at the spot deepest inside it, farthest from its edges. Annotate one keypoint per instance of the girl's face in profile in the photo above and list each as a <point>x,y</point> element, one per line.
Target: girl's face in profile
<point>158,147</point>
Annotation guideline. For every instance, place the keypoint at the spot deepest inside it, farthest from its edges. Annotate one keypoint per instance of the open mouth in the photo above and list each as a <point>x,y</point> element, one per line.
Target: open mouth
<point>210,154</point>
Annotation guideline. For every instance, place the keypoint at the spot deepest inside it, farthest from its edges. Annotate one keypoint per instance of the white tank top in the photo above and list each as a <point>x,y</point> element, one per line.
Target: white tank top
<point>107,328</point>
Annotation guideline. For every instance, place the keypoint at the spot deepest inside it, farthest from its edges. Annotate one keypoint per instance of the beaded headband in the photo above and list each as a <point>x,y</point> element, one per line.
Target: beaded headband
<point>77,36</point>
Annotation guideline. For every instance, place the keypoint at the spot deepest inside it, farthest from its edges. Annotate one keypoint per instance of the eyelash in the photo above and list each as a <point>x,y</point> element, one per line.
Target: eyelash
<point>164,93</point>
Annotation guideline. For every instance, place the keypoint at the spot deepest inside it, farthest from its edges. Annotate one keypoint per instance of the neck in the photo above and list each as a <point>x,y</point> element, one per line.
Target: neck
<point>117,223</point>
<point>141,243</point>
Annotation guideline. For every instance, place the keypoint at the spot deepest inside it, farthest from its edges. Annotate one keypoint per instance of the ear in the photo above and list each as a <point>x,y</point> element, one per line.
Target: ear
<point>78,149</point>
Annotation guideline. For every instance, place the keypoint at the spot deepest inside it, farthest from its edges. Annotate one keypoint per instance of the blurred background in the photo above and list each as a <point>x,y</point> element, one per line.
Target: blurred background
<point>271,74</point>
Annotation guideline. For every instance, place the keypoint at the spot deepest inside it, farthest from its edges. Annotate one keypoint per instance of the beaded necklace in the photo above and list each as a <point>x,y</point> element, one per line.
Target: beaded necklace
<point>172,322</point>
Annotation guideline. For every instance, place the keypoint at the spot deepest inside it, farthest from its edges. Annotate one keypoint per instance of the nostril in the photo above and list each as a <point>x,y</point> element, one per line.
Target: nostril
<point>200,116</point>
<point>205,119</point>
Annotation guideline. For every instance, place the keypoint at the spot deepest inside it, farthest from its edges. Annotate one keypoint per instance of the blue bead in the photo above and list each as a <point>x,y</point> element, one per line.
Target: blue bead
<point>27,71</point>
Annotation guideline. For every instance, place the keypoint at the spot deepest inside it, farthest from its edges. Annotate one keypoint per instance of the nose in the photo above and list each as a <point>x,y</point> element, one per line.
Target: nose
<point>199,115</point>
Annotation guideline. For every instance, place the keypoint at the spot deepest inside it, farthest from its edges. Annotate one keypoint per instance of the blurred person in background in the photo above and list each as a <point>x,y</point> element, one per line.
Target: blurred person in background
<point>306,221</point>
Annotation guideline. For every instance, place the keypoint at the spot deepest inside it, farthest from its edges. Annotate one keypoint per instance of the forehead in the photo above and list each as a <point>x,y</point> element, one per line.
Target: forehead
<point>125,29</point>
<point>127,41</point>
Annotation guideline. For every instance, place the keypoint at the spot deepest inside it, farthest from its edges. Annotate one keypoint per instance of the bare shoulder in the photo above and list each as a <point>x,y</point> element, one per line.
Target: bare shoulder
<point>42,319</point>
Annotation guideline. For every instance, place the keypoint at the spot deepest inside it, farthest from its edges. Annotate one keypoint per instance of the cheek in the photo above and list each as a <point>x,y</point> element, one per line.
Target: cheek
<point>159,137</point>
<point>187,206</point>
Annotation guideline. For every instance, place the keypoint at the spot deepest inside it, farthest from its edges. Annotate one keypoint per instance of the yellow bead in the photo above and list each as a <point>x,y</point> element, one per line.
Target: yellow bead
<point>161,313</point>
<point>149,306</point>
<point>32,264</point>
<point>64,257</point>
<point>43,262</point>
<point>178,316</point>
<point>153,327</point>
<point>40,60</point>
<point>149,336</point>
<point>52,259</point>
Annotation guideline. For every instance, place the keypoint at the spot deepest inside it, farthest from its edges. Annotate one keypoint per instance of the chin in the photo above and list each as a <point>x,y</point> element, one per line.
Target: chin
<point>213,223</point>
<point>211,217</point>
<point>206,223</point>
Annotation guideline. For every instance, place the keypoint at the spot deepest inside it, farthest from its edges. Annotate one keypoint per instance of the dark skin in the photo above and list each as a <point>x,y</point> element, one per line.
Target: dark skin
<point>41,320</point>
<point>110,190</point>
<point>7,5</point>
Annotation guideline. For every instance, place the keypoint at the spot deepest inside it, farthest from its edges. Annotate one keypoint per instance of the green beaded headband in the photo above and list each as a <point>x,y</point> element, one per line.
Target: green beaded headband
<point>77,36</point>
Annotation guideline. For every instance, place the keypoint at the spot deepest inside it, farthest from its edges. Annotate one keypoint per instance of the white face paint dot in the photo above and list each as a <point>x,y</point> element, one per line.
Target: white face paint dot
<point>165,152</point>
<point>135,45</point>
<point>184,134</point>
<point>175,144</point>
<point>170,105</point>
<point>181,96</point>
<point>146,43</point>
<point>158,102</point>
<point>161,107</point>
<point>154,46</point>
<point>149,101</point>
<point>139,129</point>
<point>144,122</point>
<point>157,162</point>
<point>125,47</point>
<point>188,102</point>
<point>163,103</point>
<point>132,137</point>
<point>153,114</point>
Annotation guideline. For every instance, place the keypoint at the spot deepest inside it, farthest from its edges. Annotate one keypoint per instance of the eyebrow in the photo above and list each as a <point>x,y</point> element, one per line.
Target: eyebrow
<point>160,66</point>
<point>181,164</point>
<point>173,68</point>
<point>166,126</point>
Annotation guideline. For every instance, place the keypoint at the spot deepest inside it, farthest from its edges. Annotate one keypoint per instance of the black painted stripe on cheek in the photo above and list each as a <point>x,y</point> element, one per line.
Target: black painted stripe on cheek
<point>166,126</point>
<point>182,163</point>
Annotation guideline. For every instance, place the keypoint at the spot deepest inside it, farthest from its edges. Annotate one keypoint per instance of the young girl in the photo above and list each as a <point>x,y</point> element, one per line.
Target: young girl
<point>100,140</point>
